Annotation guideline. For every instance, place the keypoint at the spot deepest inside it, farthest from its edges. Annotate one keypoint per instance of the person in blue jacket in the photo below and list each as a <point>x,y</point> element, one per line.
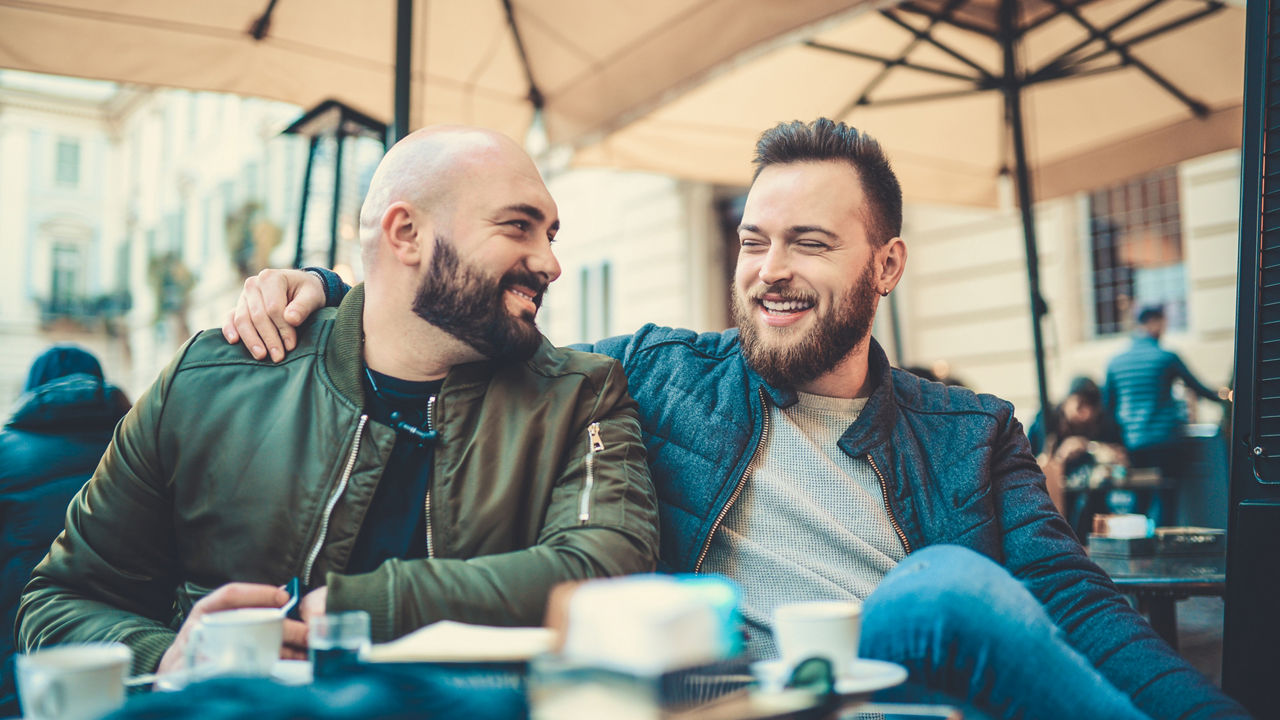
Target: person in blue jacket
<point>1138,390</point>
<point>788,455</point>
<point>49,447</point>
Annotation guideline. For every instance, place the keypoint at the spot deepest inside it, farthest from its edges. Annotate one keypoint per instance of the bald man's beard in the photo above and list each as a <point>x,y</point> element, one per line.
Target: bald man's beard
<point>784,357</point>
<point>471,305</point>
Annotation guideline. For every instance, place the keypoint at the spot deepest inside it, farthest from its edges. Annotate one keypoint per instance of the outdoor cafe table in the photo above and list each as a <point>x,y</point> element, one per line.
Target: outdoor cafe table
<point>1159,582</point>
<point>418,690</point>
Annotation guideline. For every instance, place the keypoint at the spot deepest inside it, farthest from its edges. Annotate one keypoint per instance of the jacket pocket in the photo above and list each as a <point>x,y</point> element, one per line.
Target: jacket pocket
<point>594,445</point>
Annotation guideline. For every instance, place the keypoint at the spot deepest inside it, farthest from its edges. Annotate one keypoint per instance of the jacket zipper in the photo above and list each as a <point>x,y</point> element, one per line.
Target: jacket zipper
<point>884,491</point>
<point>594,445</point>
<point>426,504</point>
<point>742,481</point>
<point>333,501</point>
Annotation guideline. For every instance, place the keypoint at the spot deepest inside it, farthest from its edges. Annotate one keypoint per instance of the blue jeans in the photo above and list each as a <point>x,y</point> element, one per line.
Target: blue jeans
<point>971,635</point>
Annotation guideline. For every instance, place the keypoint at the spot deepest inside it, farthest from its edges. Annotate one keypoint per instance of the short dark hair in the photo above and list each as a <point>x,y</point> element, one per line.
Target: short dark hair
<point>1087,390</point>
<point>1149,313</point>
<point>825,139</point>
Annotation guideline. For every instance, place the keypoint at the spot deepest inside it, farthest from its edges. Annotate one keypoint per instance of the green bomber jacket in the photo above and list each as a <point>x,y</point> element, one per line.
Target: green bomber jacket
<point>232,469</point>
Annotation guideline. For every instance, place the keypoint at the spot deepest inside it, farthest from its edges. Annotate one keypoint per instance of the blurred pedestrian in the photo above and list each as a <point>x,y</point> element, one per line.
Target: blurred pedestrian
<point>1077,449</point>
<point>48,449</point>
<point>1138,391</point>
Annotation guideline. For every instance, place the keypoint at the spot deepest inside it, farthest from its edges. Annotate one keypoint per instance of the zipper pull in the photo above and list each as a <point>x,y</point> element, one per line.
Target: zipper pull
<point>593,430</point>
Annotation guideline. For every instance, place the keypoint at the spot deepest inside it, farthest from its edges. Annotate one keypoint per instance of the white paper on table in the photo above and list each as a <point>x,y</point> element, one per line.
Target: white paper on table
<point>449,641</point>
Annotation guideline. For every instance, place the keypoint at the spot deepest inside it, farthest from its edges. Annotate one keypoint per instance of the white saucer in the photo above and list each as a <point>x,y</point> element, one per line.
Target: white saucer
<point>864,677</point>
<point>292,672</point>
<point>285,672</point>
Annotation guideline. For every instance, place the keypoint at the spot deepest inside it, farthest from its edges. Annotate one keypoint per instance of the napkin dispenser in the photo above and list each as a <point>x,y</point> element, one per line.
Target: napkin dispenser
<point>651,624</point>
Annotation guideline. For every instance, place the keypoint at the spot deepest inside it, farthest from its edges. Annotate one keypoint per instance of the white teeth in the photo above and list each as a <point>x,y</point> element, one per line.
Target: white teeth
<point>517,292</point>
<point>786,306</point>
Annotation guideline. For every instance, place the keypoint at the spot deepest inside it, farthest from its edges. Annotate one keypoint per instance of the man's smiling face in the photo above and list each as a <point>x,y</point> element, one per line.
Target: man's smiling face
<point>804,290</point>
<point>491,264</point>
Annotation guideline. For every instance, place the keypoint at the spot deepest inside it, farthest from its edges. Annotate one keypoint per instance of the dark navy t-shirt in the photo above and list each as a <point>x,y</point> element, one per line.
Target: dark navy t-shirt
<point>395,525</point>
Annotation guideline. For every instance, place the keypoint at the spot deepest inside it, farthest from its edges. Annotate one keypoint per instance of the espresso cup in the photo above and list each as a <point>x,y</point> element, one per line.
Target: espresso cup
<point>828,629</point>
<point>243,642</point>
<point>72,682</point>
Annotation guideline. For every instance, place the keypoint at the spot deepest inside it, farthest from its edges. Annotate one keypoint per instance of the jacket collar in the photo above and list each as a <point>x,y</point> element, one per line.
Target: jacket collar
<point>874,424</point>
<point>344,349</point>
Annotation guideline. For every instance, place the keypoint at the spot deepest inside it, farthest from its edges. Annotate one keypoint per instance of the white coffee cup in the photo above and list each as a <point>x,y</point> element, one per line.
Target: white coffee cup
<point>827,629</point>
<point>244,642</point>
<point>72,682</point>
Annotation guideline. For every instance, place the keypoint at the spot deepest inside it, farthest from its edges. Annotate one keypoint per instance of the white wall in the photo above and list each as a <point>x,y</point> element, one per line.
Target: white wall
<point>660,237</point>
<point>966,287</point>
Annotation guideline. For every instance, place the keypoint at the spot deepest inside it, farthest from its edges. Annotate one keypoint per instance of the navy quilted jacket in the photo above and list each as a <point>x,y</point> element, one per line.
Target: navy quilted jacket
<point>955,467</point>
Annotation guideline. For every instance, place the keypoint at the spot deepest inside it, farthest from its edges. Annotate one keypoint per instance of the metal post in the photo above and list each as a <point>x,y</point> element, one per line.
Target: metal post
<point>338,136</point>
<point>302,205</point>
<point>1013,116</point>
<point>404,66</point>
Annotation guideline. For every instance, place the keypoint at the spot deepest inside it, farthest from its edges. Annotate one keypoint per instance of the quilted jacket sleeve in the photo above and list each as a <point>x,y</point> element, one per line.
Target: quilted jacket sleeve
<point>1041,551</point>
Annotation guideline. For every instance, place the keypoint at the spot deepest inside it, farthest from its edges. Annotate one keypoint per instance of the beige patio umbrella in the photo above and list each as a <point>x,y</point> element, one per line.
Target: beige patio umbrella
<point>1088,91</point>
<point>1062,95</point>
<point>1092,119</point>
<point>589,64</point>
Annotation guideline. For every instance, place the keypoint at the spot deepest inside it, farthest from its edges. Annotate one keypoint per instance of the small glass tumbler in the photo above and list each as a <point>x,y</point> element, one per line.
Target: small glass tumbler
<point>337,641</point>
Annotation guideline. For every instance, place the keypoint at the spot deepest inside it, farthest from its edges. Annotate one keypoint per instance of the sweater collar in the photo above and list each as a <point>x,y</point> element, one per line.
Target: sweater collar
<point>876,420</point>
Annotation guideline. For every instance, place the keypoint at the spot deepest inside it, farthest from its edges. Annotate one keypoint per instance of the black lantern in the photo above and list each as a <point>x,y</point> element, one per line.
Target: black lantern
<point>331,126</point>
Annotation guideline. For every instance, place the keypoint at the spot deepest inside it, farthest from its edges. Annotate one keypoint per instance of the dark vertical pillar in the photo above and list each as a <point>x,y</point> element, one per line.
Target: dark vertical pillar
<point>404,67</point>
<point>1251,623</point>
<point>1012,90</point>
<point>339,137</point>
<point>302,204</point>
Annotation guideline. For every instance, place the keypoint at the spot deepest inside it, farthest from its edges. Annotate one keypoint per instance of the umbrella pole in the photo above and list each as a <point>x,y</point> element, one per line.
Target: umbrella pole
<point>404,58</point>
<point>298,255</point>
<point>1012,90</point>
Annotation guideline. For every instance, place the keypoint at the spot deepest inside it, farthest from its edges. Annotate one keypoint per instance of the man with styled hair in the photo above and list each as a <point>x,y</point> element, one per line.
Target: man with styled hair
<point>424,454</point>
<point>832,476</point>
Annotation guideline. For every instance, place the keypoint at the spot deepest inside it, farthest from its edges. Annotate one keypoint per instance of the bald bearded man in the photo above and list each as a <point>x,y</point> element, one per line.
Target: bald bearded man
<point>424,454</point>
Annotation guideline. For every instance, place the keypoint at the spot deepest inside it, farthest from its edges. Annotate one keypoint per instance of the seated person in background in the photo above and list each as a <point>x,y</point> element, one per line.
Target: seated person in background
<point>48,449</point>
<point>424,454</point>
<point>792,458</point>
<point>1080,440</point>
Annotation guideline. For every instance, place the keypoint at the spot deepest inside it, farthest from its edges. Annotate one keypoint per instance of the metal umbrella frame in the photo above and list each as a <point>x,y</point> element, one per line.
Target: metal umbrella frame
<point>1006,24</point>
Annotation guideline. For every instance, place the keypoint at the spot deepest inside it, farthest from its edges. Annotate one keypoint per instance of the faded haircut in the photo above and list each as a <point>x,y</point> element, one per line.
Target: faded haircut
<point>825,140</point>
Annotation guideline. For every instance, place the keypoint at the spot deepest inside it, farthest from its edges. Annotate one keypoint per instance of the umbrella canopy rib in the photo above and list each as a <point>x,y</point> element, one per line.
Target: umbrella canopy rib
<point>262,25</point>
<point>1197,108</point>
<point>1129,17</point>
<point>928,37</point>
<point>536,98</point>
<point>1170,26</point>
<point>874,82</point>
<point>945,15</point>
<point>1027,28</point>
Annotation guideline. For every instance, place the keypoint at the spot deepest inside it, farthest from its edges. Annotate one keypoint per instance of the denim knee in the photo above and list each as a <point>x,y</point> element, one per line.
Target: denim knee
<point>952,587</point>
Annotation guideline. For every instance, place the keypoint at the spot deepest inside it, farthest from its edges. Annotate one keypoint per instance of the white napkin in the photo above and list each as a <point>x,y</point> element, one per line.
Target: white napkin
<point>449,641</point>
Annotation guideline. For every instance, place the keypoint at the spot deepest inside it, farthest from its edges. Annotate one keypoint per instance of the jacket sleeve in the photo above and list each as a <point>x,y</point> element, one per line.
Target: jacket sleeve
<point>110,575</point>
<point>1041,551</point>
<point>1192,382</point>
<point>334,287</point>
<point>613,531</point>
